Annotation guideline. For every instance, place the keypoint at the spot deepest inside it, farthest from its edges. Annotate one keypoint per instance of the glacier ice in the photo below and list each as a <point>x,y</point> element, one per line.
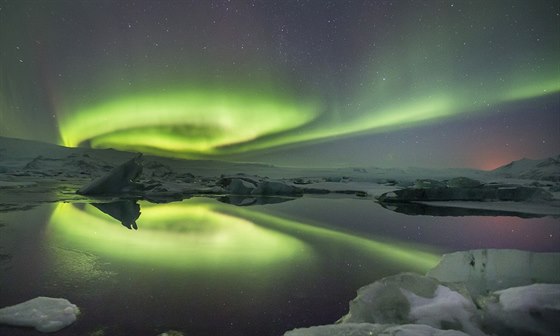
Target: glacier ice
<point>410,298</point>
<point>525,310</point>
<point>479,293</point>
<point>121,179</point>
<point>43,313</point>
<point>276,188</point>
<point>483,193</point>
<point>240,187</point>
<point>370,329</point>
<point>527,298</point>
<point>488,270</point>
<point>384,301</point>
<point>444,309</point>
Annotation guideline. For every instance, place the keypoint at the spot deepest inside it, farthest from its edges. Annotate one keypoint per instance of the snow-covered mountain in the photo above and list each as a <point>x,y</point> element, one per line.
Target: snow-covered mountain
<point>545,169</point>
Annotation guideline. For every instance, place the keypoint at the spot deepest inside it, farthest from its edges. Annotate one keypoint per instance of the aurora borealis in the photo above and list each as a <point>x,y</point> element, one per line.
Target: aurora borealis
<point>186,124</point>
<point>205,234</point>
<point>403,83</point>
<point>186,235</point>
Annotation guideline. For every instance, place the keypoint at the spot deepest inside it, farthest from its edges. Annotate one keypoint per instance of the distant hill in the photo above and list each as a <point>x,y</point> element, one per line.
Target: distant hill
<point>27,154</point>
<point>39,157</point>
<point>21,149</point>
<point>545,169</point>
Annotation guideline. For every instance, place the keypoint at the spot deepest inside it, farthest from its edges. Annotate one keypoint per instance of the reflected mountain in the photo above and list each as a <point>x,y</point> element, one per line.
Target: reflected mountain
<point>126,212</point>
<point>253,200</point>
<point>417,209</point>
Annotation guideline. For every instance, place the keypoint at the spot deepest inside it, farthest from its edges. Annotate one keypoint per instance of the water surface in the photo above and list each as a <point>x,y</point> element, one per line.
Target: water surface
<point>209,268</point>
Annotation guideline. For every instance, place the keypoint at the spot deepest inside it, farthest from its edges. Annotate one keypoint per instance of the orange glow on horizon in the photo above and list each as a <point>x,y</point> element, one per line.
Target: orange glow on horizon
<point>489,160</point>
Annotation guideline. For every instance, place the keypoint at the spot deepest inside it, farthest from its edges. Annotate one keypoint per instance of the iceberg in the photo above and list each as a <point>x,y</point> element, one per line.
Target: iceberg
<point>276,188</point>
<point>524,310</point>
<point>474,194</point>
<point>409,298</point>
<point>238,186</point>
<point>242,185</point>
<point>369,329</point>
<point>478,293</point>
<point>43,313</point>
<point>487,270</point>
<point>120,179</point>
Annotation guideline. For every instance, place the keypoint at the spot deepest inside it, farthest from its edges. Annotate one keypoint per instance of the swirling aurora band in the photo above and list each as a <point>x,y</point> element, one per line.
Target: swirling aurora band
<point>195,124</point>
<point>205,234</point>
<point>197,79</point>
<point>190,122</point>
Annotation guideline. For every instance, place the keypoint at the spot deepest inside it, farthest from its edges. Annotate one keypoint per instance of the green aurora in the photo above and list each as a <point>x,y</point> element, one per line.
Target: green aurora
<point>192,81</point>
<point>202,124</point>
<point>189,123</point>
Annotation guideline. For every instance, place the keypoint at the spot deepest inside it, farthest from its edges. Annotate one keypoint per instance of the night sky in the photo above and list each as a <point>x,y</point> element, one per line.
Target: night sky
<point>304,83</point>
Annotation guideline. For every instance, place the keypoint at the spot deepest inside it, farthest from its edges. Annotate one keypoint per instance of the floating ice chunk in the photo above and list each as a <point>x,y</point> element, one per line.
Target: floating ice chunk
<point>240,187</point>
<point>120,179</point>
<point>411,304</point>
<point>354,329</point>
<point>385,302</point>
<point>369,329</point>
<point>428,183</point>
<point>276,188</point>
<point>43,313</point>
<point>485,271</point>
<point>533,309</point>
<point>446,308</point>
<point>409,298</point>
<point>476,194</point>
<point>419,330</point>
<point>463,182</point>
<point>527,298</point>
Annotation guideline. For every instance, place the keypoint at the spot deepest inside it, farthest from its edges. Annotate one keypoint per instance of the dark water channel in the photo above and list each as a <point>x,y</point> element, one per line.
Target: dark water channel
<point>208,268</point>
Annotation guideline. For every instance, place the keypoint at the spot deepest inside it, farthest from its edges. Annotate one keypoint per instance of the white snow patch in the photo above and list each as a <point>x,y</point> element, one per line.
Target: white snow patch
<point>526,298</point>
<point>446,306</point>
<point>527,310</point>
<point>43,313</point>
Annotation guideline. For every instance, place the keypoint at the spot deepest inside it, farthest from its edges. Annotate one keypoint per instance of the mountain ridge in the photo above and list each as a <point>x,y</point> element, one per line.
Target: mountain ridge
<point>547,169</point>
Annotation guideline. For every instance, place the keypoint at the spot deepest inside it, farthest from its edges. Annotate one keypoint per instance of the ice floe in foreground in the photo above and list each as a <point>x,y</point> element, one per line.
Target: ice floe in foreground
<point>479,293</point>
<point>530,310</point>
<point>43,313</point>
<point>370,329</point>
<point>483,271</point>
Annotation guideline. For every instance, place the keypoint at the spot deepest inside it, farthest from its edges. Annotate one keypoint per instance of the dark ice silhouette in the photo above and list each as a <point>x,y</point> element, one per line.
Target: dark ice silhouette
<point>119,180</point>
<point>126,212</point>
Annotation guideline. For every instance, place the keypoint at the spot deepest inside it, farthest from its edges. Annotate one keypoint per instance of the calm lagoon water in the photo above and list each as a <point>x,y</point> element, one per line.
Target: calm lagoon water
<point>209,268</point>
